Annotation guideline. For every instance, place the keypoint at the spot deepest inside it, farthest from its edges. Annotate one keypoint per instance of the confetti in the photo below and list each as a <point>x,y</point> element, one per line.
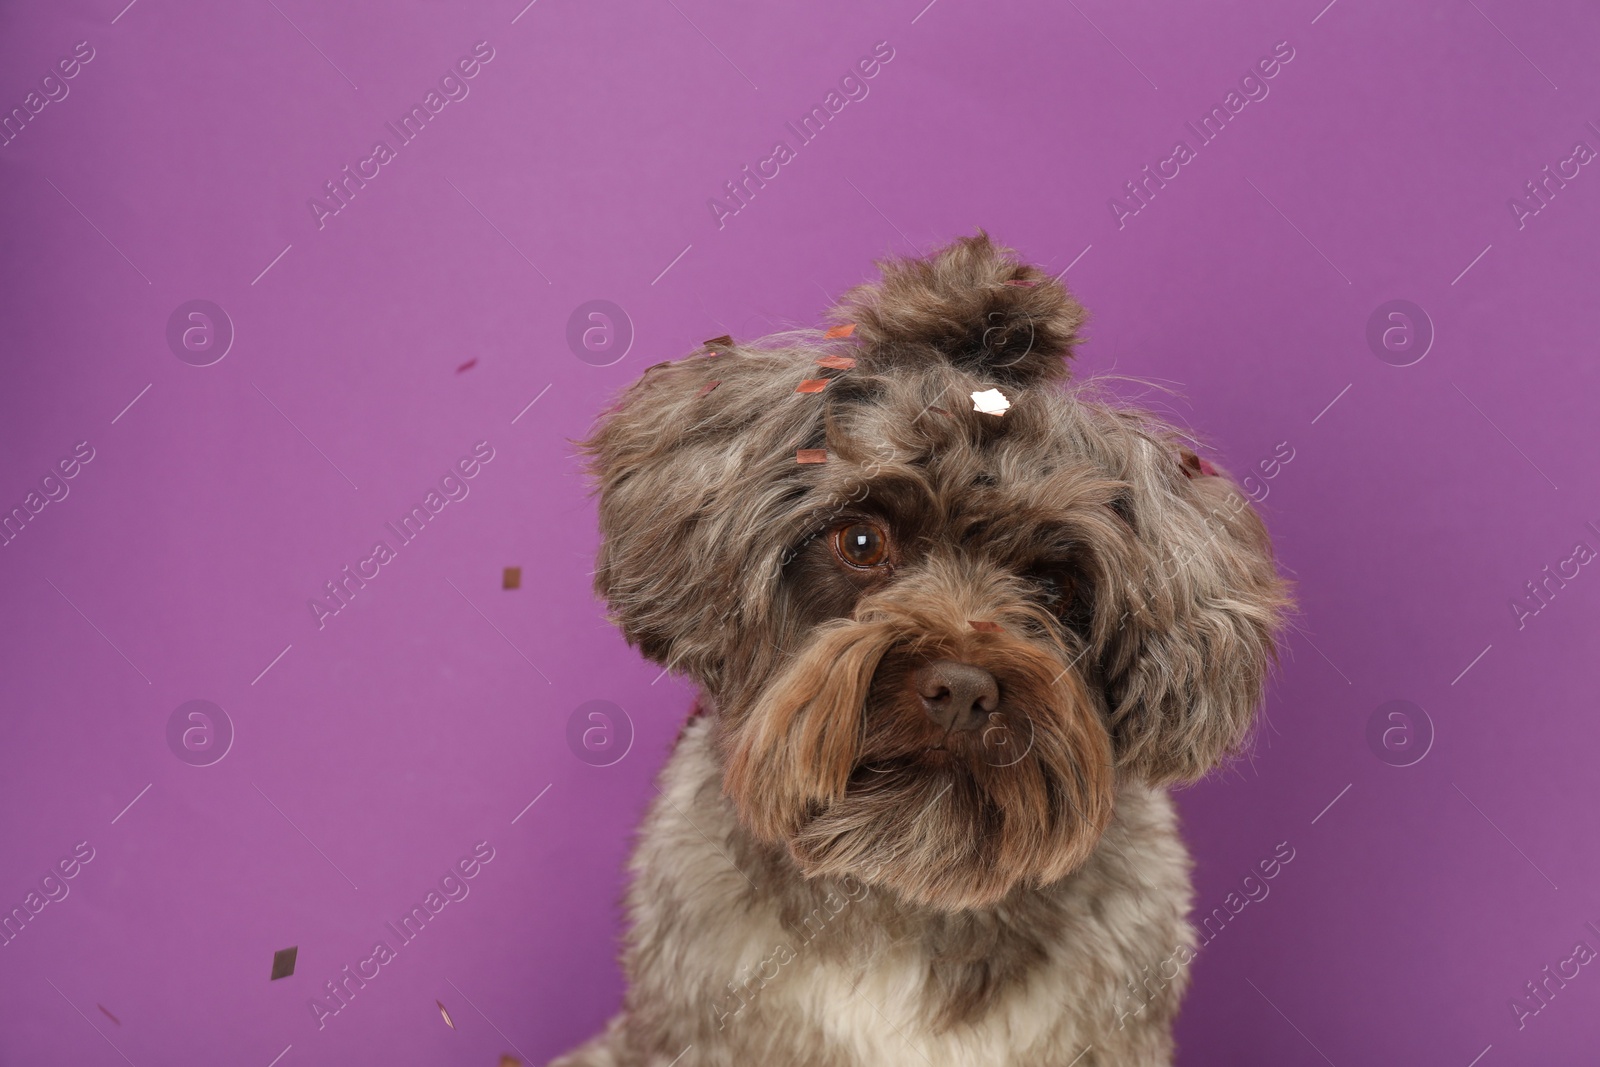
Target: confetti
<point>113,1018</point>
<point>511,578</point>
<point>990,402</point>
<point>1022,282</point>
<point>841,331</point>
<point>447,1020</point>
<point>837,362</point>
<point>985,626</point>
<point>468,365</point>
<point>811,455</point>
<point>812,385</point>
<point>706,388</point>
<point>283,962</point>
<point>725,341</point>
<point>1193,465</point>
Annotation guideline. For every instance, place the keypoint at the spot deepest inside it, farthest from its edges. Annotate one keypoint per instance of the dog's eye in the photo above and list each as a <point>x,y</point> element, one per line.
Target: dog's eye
<point>1055,591</point>
<point>861,544</point>
<point>1068,593</point>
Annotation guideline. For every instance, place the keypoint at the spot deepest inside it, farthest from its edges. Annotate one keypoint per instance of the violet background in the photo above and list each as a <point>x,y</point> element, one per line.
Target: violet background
<point>424,718</point>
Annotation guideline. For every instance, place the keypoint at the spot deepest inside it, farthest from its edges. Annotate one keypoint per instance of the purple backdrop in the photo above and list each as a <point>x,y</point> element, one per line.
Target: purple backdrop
<point>1345,279</point>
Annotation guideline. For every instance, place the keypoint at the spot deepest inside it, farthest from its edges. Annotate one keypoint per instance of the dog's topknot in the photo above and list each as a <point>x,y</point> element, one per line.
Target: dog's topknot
<point>972,303</point>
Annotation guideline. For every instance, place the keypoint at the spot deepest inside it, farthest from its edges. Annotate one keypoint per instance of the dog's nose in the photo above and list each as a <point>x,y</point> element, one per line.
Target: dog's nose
<point>957,696</point>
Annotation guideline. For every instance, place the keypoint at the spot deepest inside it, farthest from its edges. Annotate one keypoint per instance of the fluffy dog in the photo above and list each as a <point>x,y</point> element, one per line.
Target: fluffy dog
<point>956,624</point>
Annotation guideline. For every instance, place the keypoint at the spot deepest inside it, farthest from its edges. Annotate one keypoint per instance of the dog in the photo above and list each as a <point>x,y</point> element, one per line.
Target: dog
<point>957,623</point>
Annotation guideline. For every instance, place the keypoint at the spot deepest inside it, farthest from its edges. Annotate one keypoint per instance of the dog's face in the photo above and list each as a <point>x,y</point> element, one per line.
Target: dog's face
<point>933,653</point>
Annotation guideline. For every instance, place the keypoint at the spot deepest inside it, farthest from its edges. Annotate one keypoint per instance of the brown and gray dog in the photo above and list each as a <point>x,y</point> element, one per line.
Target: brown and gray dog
<point>957,624</point>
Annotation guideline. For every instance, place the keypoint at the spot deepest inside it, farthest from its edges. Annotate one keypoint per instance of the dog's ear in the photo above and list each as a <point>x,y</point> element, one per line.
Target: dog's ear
<point>1199,622</point>
<point>698,481</point>
<point>971,303</point>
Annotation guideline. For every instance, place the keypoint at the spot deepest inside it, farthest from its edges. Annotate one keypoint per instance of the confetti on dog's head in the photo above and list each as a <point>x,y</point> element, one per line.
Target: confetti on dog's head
<point>870,581</point>
<point>990,402</point>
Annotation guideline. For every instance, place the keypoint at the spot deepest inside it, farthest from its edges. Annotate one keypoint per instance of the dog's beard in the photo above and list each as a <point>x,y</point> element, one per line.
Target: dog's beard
<point>837,760</point>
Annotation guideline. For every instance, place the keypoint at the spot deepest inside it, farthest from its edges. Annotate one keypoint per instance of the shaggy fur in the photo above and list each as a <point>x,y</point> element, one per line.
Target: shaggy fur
<point>833,875</point>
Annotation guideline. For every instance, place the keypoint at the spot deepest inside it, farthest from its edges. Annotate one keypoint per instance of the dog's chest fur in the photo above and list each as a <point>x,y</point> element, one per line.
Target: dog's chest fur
<point>731,952</point>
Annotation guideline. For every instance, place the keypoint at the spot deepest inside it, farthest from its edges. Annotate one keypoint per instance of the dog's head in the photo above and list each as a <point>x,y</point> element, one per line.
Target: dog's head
<point>934,636</point>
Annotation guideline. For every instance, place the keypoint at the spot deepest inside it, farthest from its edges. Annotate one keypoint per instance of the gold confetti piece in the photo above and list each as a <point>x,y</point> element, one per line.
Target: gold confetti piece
<point>812,385</point>
<point>725,341</point>
<point>511,578</point>
<point>508,1060</point>
<point>113,1018</point>
<point>990,402</point>
<point>985,626</point>
<point>283,962</point>
<point>841,331</point>
<point>811,455</point>
<point>447,1020</point>
<point>706,388</point>
<point>837,362</point>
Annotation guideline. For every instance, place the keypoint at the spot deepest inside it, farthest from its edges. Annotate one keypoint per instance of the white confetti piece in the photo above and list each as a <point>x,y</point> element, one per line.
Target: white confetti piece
<point>990,402</point>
